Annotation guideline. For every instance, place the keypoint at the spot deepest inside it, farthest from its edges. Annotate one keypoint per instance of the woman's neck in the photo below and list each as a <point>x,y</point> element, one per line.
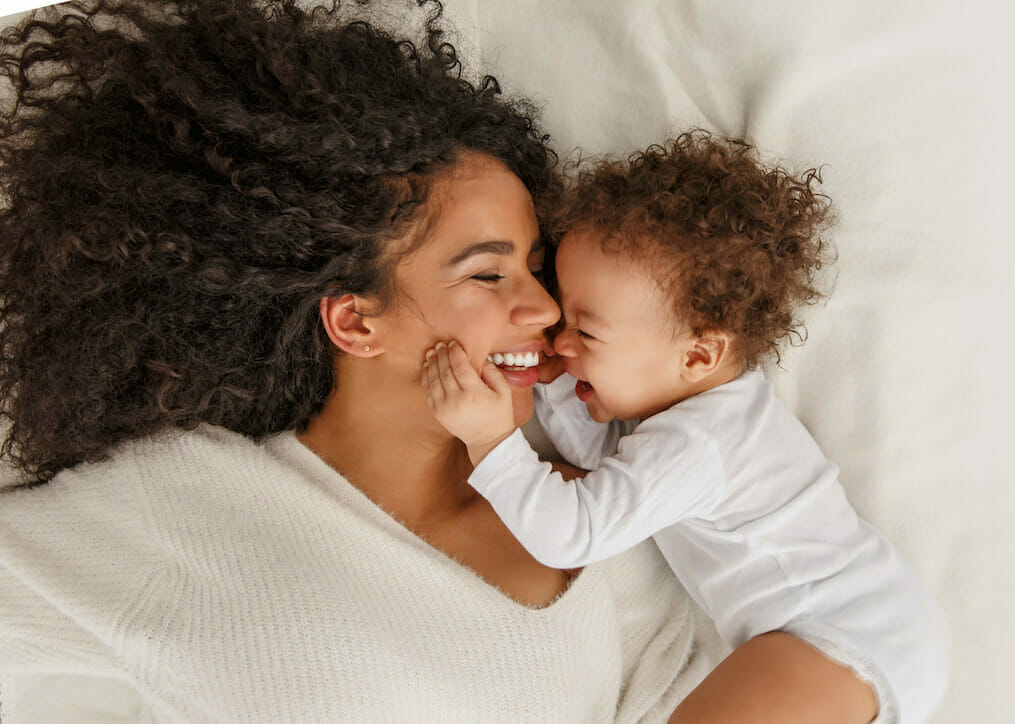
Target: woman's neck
<point>384,440</point>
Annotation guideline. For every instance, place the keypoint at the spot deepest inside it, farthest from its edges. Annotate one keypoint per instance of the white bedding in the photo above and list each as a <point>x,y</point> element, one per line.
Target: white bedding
<point>907,107</point>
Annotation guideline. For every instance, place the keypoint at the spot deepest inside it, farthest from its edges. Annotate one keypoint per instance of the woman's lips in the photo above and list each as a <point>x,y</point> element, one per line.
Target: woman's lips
<point>584,390</point>
<point>521,378</point>
<point>521,374</point>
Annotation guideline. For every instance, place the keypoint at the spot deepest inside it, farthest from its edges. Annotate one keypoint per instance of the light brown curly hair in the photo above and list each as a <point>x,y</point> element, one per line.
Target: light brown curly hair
<point>735,244</point>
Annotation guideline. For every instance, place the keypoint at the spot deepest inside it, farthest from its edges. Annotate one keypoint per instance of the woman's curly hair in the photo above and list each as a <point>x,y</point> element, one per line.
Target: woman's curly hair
<point>182,182</point>
<point>735,244</point>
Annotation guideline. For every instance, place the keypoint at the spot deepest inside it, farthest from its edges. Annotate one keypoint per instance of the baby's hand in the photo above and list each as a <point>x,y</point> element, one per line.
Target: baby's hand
<point>477,410</point>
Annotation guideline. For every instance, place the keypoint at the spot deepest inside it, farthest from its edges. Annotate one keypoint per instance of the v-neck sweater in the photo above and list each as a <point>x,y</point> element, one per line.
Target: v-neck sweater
<point>204,577</point>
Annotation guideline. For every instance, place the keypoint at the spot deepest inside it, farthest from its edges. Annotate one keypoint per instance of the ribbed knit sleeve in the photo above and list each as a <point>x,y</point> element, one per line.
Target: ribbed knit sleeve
<point>66,577</point>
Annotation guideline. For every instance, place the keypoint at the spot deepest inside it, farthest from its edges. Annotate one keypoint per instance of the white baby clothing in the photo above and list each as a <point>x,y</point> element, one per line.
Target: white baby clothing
<point>750,516</point>
<point>201,577</point>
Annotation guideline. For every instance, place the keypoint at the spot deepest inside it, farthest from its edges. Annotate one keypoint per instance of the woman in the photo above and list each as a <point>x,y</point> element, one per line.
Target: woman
<point>230,233</point>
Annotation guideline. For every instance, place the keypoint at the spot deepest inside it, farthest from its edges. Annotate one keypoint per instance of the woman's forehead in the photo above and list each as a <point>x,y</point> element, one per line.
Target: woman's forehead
<point>480,201</point>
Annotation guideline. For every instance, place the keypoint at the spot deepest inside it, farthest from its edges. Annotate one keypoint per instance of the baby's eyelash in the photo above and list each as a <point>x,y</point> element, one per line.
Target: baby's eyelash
<point>583,335</point>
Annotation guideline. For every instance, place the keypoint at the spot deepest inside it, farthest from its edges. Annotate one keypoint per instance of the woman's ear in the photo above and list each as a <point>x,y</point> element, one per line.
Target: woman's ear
<point>705,354</point>
<point>348,325</point>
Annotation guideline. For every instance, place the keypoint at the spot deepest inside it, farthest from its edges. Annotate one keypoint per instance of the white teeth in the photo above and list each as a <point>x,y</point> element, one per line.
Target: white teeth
<point>490,359</point>
<point>515,359</point>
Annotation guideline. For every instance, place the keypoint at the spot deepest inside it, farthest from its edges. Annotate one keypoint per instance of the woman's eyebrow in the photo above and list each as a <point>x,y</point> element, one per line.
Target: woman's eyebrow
<point>501,248</point>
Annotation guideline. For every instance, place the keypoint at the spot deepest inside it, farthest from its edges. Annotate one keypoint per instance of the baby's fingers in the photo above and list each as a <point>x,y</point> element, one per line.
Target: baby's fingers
<point>462,369</point>
<point>495,379</point>
<point>444,369</point>
<point>431,378</point>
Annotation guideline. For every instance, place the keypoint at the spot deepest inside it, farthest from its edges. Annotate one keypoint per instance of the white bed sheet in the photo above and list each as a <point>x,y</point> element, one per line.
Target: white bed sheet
<point>907,107</point>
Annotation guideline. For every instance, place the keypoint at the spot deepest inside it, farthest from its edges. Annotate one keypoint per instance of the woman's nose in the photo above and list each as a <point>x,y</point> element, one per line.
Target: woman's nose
<point>563,343</point>
<point>535,306</point>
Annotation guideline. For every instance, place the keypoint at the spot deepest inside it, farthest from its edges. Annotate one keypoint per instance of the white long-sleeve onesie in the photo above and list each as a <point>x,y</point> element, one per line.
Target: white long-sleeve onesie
<point>750,516</point>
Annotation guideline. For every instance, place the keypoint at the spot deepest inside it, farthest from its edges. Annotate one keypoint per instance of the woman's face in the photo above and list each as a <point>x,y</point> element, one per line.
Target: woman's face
<point>472,280</point>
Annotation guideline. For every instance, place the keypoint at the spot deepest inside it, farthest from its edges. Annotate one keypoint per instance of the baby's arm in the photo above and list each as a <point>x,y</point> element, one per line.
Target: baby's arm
<point>660,474</point>
<point>656,479</point>
<point>577,437</point>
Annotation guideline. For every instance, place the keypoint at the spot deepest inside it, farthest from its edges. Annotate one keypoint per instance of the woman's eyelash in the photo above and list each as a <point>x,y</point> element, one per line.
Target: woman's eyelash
<point>583,335</point>
<point>488,277</point>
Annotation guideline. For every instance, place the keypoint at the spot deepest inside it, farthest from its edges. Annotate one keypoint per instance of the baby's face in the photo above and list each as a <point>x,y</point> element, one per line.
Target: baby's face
<point>619,338</point>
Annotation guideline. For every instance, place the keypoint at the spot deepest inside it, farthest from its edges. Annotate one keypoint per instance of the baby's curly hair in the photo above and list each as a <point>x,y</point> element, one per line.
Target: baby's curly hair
<point>182,182</point>
<point>735,244</point>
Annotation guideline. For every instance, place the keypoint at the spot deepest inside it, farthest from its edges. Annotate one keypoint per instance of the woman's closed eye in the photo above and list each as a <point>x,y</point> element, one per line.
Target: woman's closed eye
<point>583,334</point>
<point>493,277</point>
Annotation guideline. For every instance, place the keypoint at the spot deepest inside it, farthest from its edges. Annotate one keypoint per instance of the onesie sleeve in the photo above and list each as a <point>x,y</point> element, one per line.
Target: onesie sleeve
<point>581,440</point>
<point>657,477</point>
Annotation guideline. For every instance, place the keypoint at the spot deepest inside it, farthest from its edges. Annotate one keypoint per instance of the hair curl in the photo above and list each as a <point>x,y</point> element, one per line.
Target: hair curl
<point>182,182</point>
<point>735,244</point>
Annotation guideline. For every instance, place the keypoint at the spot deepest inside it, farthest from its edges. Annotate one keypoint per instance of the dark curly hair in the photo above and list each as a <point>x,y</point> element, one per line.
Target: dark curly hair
<point>735,244</point>
<point>182,182</point>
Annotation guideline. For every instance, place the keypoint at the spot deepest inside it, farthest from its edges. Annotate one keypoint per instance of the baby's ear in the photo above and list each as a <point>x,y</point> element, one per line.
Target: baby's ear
<point>348,324</point>
<point>705,353</point>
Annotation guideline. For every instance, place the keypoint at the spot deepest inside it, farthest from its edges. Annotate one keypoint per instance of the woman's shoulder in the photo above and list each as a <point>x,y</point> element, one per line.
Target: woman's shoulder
<point>125,507</point>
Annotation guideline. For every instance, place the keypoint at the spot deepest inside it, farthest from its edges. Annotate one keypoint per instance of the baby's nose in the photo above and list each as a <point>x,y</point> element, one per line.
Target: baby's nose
<point>563,343</point>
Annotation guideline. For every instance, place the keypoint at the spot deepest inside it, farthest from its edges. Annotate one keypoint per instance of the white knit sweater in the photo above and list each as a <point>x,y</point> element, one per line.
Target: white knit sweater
<point>200,577</point>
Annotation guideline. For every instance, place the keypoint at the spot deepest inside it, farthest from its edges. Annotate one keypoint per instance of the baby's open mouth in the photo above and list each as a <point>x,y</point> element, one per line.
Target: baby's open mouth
<point>583,390</point>
<point>519,361</point>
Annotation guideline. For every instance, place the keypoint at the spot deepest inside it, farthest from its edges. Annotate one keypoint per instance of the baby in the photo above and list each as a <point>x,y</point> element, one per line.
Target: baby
<point>679,272</point>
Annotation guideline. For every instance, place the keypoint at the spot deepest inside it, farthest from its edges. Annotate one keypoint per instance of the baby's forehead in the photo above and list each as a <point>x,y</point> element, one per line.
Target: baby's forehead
<point>613,254</point>
<point>602,273</point>
<point>586,266</point>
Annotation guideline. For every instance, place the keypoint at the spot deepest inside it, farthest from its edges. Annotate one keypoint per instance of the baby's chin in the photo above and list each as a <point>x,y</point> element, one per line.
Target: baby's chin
<point>599,415</point>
